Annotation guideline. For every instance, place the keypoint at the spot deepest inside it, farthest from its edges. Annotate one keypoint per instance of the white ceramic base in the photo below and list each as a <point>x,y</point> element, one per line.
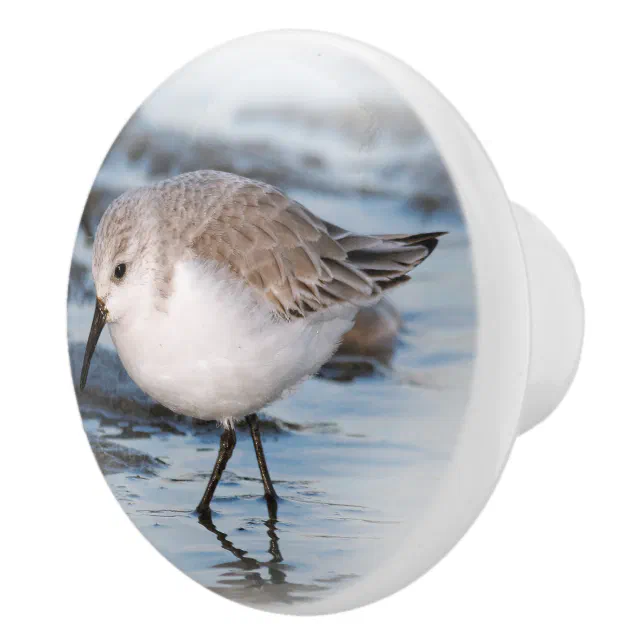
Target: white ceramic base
<point>557,319</point>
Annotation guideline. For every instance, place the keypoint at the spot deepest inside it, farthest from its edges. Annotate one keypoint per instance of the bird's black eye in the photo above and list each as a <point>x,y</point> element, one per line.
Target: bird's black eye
<point>119,271</point>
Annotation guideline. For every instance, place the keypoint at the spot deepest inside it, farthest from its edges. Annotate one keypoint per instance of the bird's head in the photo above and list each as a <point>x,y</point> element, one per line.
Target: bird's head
<point>125,264</point>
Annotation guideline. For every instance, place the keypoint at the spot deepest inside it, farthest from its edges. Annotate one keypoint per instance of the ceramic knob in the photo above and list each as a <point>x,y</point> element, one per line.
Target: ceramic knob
<point>306,323</point>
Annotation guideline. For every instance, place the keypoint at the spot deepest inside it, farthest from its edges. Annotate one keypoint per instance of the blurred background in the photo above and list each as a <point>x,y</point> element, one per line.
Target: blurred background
<point>357,452</point>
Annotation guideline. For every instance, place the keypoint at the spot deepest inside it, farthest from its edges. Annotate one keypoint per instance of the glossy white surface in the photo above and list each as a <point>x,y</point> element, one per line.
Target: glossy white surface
<point>557,319</point>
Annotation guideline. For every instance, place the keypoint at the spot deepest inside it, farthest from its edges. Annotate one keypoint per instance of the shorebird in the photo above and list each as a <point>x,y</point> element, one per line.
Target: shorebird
<point>222,295</point>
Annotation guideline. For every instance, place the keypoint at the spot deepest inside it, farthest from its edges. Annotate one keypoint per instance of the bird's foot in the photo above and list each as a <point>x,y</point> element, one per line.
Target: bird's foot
<point>203,511</point>
<point>271,504</point>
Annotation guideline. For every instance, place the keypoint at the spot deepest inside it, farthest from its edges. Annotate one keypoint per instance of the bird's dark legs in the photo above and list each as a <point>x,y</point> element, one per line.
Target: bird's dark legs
<point>226,447</point>
<point>269,491</point>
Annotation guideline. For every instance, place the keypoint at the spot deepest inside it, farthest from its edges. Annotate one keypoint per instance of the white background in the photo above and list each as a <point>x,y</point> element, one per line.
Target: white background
<point>554,92</point>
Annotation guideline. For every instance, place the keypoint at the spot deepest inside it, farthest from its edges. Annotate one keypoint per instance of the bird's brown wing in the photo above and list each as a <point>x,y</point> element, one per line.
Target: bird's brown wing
<point>301,263</point>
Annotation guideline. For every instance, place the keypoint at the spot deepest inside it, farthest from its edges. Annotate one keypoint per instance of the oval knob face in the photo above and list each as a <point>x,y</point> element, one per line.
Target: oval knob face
<point>275,232</point>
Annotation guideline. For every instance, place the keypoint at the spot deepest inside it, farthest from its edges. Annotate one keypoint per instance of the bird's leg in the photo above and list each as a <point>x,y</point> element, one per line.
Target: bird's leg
<point>269,491</point>
<point>226,447</point>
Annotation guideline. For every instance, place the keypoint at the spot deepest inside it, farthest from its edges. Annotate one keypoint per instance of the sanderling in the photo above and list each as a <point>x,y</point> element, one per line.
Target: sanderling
<point>222,294</point>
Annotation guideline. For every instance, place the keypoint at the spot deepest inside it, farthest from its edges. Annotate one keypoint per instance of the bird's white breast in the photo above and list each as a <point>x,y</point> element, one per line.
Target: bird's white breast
<point>216,351</point>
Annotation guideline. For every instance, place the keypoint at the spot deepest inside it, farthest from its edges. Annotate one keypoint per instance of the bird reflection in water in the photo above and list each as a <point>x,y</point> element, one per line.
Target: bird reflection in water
<point>244,582</point>
<point>276,570</point>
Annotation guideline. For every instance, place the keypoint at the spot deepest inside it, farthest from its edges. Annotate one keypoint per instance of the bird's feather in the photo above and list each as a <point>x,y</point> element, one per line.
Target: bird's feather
<point>299,262</point>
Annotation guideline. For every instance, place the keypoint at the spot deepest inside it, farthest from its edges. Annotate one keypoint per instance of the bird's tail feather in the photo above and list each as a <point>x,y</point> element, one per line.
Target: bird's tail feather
<point>387,259</point>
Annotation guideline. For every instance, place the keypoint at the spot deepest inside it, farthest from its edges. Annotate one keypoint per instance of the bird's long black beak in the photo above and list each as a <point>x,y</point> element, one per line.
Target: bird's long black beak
<point>100,318</point>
